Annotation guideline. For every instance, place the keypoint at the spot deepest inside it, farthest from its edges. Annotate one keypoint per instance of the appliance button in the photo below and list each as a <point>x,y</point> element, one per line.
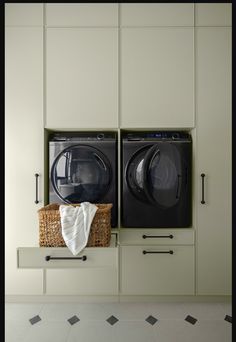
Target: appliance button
<point>175,136</point>
<point>100,136</point>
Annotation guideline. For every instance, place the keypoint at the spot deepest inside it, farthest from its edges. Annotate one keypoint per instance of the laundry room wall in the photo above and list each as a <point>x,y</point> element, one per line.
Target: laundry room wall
<point>115,67</point>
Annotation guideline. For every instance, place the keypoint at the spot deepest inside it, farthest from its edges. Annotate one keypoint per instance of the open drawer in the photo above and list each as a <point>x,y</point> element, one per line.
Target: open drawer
<point>61,257</point>
<point>94,273</point>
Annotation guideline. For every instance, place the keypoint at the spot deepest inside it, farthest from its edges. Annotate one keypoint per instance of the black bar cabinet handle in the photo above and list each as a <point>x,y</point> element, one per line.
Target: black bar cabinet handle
<point>157,236</point>
<point>36,181</point>
<point>203,200</point>
<point>158,252</point>
<point>48,258</point>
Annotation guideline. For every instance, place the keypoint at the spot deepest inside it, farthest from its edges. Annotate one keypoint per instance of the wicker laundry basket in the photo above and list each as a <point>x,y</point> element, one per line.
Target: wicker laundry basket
<point>50,226</point>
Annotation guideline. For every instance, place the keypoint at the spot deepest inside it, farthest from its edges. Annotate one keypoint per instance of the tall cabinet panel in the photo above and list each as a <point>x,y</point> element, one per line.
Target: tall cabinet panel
<point>23,149</point>
<point>82,78</point>
<point>81,66</point>
<point>156,65</point>
<point>157,77</point>
<point>213,127</point>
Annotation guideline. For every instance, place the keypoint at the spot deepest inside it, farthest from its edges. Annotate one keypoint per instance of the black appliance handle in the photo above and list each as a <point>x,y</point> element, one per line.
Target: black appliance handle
<point>36,188</point>
<point>151,153</point>
<point>48,258</point>
<point>203,200</point>
<point>158,252</point>
<point>157,236</point>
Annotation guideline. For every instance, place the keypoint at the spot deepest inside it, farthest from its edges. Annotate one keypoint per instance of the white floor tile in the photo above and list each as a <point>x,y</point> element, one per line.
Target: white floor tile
<point>205,311</point>
<point>92,331</point>
<point>48,332</point>
<point>182,331</point>
<point>93,311</point>
<point>174,330</point>
<point>167,310</point>
<point>170,327</point>
<point>59,311</point>
<point>134,331</point>
<point>15,331</point>
<point>213,330</point>
<point>128,311</point>
<point>21,312</point>
<point>226,308</point>
<point>123,311</point>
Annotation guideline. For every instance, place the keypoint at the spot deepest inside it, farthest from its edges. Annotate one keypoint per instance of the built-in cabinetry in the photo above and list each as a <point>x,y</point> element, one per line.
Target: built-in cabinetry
<point>23,141</point>
<point>157,262</point>
<point>81,66</point>
<point>94,271</point>
<point>112,66</point>
<point>156,65</point>
<point>213,154</point>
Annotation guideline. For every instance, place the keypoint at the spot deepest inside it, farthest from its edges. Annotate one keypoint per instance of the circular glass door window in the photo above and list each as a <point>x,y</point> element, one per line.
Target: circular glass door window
<point>135,176</point>
<point>81,173</point>
<point>163,172</point>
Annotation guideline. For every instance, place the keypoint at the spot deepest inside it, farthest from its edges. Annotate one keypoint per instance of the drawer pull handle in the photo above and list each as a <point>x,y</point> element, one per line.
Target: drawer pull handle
<point>158,236</point>
<point>48,258</point>
<point>203,200</point>
<point>158,252</point>
<point>36,188</point>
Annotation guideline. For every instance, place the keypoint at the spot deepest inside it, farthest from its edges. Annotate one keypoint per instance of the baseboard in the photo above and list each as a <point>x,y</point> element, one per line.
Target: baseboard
<point>177,299</point>
<point>114,299</point>
<point>63,299</point>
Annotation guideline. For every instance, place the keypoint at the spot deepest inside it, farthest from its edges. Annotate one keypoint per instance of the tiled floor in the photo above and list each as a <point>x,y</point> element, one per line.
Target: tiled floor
<point>118,322</point>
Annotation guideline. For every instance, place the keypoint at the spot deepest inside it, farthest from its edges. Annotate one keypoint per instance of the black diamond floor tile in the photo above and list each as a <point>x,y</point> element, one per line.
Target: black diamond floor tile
<point>228,318</point>
<point>112,320</point>
<point>151,320</point>
<point>73,320</point>
<point>35,319</point>
<point>191,319</point>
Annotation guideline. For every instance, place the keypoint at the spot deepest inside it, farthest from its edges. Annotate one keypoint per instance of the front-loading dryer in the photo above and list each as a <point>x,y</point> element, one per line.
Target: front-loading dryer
<point>156,179</point>
<point>83,168</point>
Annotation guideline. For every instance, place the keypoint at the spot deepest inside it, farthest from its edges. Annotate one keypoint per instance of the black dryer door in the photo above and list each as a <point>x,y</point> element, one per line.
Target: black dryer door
<point>162,174</point>
<point>81,173</point>
<point>134,174</point>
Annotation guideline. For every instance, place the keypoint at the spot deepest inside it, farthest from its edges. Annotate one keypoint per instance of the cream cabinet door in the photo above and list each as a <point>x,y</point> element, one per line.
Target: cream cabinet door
<point>213,159</point>
<point>23,152</point>
<point>82,78</point>
<point>81,14</point>
<point>152,270</point>
<point>157,77</point>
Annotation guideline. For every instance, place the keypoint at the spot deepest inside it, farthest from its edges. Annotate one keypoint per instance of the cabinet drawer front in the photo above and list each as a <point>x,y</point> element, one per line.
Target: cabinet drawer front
<point>157,273</point>
<point>96,281</point>
<point>157,237</point>
<point>95,257</point>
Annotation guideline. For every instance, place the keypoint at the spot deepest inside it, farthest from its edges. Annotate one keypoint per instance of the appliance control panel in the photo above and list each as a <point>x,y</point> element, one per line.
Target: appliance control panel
<point>82,136</point>
<point>158,135</point>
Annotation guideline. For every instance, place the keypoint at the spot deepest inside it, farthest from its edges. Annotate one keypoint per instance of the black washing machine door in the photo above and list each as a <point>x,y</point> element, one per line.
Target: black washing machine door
<point>162,175</point>
<point>154,175</point>
<point>135,174</point>
<point>81,173</point>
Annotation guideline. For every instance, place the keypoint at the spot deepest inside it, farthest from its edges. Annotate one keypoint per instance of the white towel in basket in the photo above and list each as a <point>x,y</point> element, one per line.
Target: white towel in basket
<point>76,223</point>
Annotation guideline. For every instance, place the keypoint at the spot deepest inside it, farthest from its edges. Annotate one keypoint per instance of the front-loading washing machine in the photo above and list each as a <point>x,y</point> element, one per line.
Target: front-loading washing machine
<point>156,179</point>
<point>83,168</point>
